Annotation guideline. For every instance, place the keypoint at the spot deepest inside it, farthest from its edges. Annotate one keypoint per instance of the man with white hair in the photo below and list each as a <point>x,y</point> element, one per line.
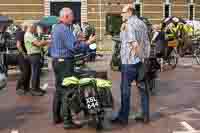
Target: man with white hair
<point>63,48</point>
<point>135,48</point>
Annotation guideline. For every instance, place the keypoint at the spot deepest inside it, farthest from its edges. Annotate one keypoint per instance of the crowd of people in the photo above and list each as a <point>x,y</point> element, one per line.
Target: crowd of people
<point>64,43</point>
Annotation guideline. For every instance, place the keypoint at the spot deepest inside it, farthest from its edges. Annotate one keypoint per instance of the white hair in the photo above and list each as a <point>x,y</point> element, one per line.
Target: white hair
<point>65,11</point>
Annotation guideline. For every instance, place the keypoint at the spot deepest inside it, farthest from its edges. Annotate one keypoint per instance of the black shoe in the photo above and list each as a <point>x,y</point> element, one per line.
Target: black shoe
<point>119,121</point>
<point>57,120</point>
<point>20,92</point>
<point>72,126</point>
<point>36,92</point>
<point>144,119</point>
<point>43,91</point>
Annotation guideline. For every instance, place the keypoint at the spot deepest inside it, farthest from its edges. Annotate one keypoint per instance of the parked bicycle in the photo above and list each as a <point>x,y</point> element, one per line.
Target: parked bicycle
<point>196,50</point>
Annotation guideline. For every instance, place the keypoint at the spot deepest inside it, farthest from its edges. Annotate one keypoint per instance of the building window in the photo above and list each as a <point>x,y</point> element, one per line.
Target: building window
<point>138,7</point>
<point>167,10</point>
<point>191,9</point>
<point>191,12</point>
<point>113,23</point>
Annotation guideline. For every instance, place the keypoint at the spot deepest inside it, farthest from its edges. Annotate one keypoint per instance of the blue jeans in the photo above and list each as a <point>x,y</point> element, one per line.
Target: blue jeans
<point>35,60</point>
<point>129,73</point>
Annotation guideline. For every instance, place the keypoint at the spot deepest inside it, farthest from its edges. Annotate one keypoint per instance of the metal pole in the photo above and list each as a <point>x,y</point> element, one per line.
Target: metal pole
<point>100,17</point>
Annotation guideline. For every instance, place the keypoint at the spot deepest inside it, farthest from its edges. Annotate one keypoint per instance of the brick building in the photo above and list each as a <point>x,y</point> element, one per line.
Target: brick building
<point>97,11</point>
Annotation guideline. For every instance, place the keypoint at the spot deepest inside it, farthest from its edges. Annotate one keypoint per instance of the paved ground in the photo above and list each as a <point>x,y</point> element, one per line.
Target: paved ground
<point>176,101</point>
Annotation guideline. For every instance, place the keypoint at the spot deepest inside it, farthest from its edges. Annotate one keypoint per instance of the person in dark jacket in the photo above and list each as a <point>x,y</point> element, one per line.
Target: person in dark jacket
<point>23,83</point>
<point>4,37</point>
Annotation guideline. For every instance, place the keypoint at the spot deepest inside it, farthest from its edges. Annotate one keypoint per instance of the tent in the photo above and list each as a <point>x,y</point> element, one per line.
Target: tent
<point>48,21</point>
<point>5,19</point>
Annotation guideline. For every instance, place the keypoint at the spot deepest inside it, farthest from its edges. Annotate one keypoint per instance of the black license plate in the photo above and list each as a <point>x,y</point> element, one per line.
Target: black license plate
<point>92,103</point>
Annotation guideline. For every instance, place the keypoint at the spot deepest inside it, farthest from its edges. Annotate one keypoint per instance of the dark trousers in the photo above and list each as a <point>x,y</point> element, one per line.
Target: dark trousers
<point>128,74</point>
<point>35,60</point>
<point>25,73</point>
<point>62,69</point>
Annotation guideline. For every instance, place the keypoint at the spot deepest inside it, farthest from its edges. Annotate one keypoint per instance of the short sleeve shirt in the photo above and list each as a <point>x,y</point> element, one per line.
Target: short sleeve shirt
<point>29,38</point>
<point>136,32</point>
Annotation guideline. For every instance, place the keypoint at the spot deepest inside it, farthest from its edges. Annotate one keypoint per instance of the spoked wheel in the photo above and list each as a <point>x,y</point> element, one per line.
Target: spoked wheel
<point>99,123</point>
<point>197,56</point>
<point>173,59</point>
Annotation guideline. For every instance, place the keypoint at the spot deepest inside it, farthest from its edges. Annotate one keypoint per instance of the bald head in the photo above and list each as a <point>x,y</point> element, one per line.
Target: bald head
<point>127,11</point>
<point>129,8</point>
<point>66,15</point>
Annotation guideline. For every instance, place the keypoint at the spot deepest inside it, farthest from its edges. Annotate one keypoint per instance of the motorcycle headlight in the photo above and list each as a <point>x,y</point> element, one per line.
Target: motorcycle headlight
<point>93,46</point>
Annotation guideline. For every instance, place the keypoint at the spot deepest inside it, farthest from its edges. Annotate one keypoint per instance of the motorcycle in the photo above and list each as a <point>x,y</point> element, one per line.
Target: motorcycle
<point>84,94</point>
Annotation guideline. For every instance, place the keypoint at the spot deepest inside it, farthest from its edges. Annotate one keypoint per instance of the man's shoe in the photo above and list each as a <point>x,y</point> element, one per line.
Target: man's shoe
<point>119,121</point>
<point>144,119</point>
<point>72,126</point>
<point>57,121</point>
<point>36,93</point>
<point>43,91</point>
<point>20,92</point>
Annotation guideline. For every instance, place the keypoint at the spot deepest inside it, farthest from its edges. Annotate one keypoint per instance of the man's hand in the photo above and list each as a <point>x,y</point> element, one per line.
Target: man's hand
<point>92,39</point>
<point>134,48</point>
<point>81,36</point>
<point>123,27</point>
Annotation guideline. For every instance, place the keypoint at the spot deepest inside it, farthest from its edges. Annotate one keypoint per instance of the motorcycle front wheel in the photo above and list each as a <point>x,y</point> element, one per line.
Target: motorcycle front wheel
<point>173,58</point>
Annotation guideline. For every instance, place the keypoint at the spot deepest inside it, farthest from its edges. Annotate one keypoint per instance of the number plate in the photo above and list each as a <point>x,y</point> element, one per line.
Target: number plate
<point>92,102</point>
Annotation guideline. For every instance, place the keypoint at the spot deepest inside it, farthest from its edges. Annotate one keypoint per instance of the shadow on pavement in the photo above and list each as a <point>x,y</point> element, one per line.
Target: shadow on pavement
<point>165,88</point>
<point>8,119</point>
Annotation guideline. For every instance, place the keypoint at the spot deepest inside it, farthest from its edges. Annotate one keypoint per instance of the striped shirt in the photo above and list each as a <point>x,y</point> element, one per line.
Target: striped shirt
<point>64,43</point>
<point>136,31</point>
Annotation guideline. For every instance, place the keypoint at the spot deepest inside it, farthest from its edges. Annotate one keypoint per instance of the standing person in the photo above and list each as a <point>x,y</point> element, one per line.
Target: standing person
<point>23,83</point>
<point>160,41</point>
<point>40,34</point>
<point>135,48</point>
<point>33,47</point>
<point>4,37</point>
<point>63,48</point>
<point>89,30</point>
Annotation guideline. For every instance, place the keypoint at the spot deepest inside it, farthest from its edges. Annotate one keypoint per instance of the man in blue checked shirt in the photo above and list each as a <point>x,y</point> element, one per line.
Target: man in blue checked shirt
<point>135,49</point>
<point>64,47</point>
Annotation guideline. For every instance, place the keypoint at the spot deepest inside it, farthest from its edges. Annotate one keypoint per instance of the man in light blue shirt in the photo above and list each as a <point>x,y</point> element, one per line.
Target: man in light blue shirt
<point>64,47</point>
<point>135,48</point>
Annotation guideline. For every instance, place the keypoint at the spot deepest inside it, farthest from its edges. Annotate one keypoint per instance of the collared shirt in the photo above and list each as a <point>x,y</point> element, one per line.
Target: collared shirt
<point>64,43</point>
<point>29,38</point>
<point>137,32</point>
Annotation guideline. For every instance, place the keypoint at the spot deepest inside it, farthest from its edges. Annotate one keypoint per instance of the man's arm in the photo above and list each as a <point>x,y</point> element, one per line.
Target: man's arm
<point>132,39</point>
<point>40,43</point>
<point>19,39</point>
<point>19,47</point>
